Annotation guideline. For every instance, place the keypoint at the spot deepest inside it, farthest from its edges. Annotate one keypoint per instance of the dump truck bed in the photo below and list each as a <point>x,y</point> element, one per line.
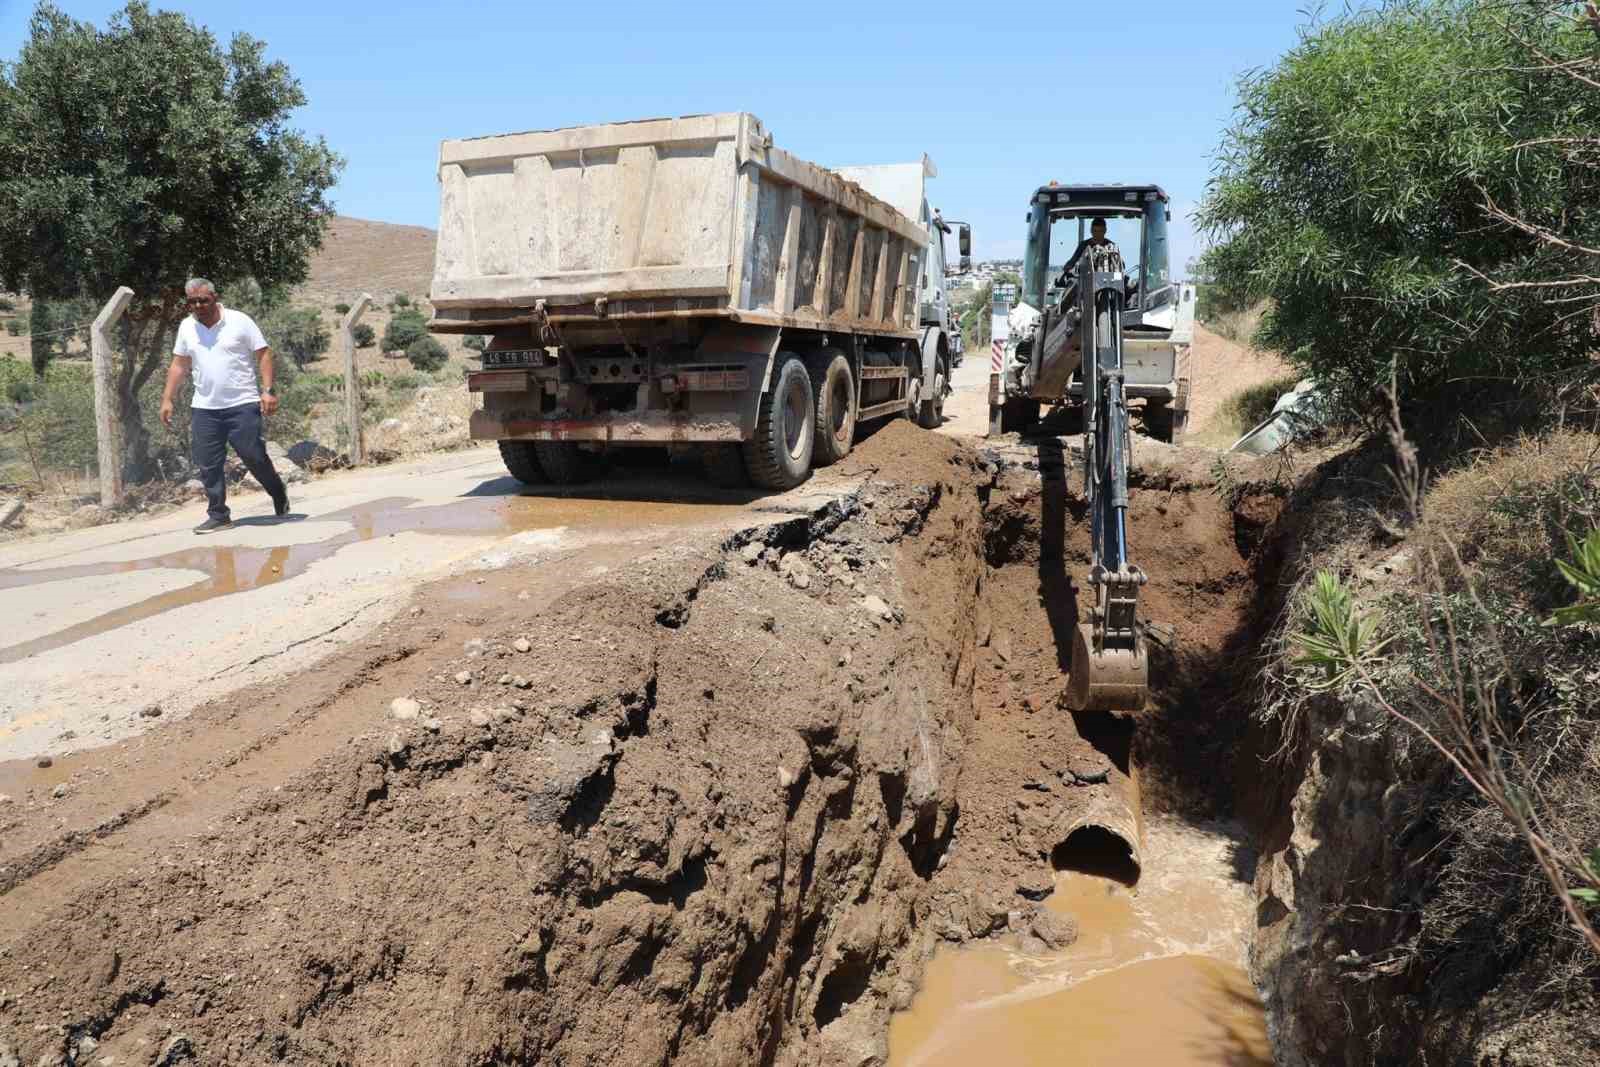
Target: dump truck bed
<point>663,218</point>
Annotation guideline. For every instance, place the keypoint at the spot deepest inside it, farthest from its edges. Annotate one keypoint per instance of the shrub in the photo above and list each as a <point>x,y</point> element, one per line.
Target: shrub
<point>1251,405</point>
<point>296,404</point>
<point>364,334</point>
<point>298,331</point>
<point>342,308</point>
<point>7,304</point>
<point>1355,192</point>
<point>475,342</point>
<point>17,326</point>
<point>400,301</point>
<point>427,354</point>
<point>405,382</point>
<point>16,380</point>
<point>60,423</point>
<point>403,330</point>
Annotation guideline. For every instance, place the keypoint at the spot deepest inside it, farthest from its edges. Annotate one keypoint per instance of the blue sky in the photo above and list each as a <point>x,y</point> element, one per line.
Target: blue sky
<point>1003,99</point>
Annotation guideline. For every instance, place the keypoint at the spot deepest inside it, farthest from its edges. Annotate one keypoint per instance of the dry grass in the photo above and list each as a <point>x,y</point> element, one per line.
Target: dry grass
<point>1479,727</point>
<point>1507,513</point>
<point>1238,326</point>
<point>1226,377</point>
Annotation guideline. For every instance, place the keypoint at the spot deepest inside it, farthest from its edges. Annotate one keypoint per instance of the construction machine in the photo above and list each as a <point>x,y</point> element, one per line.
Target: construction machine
<point>1089,334</point>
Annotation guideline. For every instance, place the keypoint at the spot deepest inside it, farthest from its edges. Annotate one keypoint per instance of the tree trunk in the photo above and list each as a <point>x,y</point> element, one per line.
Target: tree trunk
<point>143,350</point>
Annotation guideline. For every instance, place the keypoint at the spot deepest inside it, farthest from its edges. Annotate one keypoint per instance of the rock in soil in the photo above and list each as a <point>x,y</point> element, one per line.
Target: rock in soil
<point>404,708</point>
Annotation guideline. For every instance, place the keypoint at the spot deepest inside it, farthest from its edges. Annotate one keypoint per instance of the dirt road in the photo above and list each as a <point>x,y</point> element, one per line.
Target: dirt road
<point>103,626</point>
<point>651,775</point>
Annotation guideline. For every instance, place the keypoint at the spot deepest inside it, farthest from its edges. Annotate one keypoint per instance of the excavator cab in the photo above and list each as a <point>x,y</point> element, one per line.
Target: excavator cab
<point>1094,300</point>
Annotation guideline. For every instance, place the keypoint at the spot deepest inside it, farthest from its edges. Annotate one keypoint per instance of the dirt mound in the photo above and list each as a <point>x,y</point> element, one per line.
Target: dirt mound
<point>717,812</point>
<point>647,840</point>
<point>1219,369</point>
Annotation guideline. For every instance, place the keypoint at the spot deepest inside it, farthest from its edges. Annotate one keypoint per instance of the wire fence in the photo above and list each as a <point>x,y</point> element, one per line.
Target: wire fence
<point>56,435</point>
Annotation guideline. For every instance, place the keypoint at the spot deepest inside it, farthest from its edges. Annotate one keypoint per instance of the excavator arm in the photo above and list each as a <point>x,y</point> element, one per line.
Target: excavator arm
<point>1110,671</point>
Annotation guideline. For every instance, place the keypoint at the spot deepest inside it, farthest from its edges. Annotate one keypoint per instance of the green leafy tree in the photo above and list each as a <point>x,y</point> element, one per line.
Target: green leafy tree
<point>341,308</point>
<point>143,153</point>
<point>45,340</point>
<point>1362,189</point>
<point>403,330</point>
<point>475,342</point>
<point>427,354</point>
<point>364,334</point>
<point>400,301</point>
<point>299,332</point>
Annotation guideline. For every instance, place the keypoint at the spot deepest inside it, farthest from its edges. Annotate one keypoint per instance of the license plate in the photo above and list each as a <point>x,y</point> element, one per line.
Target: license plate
<point>521,357</point>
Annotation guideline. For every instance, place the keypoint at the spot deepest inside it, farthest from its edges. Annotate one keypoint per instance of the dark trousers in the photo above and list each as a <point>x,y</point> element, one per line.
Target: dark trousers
<point>213,430</point>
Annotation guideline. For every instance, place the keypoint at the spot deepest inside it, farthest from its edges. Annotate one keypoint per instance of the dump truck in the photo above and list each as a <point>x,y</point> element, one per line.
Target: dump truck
<point>685,283</point>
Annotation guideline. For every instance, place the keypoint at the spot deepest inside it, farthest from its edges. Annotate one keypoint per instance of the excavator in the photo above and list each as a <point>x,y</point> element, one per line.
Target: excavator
<point>1090,333</point>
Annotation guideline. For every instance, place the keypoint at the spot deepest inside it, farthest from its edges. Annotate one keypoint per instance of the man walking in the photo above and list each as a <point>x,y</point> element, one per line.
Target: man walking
<point>223,349</point>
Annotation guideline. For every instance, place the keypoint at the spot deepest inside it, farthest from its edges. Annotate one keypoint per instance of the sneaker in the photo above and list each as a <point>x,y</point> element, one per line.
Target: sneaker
<point>213,525</point>
<point>280,507</point>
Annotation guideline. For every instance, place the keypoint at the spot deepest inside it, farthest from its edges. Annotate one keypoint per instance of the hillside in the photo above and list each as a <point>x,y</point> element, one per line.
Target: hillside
<point>359,255</point>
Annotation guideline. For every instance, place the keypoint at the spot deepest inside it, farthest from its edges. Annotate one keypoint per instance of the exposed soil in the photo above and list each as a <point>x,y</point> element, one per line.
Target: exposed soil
<point>720,812</point>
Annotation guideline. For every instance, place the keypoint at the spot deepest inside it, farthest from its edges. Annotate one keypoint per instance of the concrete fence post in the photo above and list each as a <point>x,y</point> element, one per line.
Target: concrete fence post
<point>108,427</point>
<point>352,387</point>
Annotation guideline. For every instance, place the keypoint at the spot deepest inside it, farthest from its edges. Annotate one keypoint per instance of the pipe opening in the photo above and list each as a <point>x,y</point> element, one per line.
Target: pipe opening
<point>1099,851</point>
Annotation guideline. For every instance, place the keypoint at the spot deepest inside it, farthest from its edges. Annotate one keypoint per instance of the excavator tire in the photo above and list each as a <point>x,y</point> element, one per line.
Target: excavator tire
<point>1019,415</point>
<point>521,461</point>
<point>779,455</point>
<point>1111,680</point>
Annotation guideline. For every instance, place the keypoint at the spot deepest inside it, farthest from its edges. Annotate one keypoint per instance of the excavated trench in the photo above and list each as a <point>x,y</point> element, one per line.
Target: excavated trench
<point>742,803</point>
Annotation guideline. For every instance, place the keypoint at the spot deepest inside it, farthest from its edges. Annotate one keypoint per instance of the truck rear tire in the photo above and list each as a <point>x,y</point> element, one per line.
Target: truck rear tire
<point>562,462</point>
<point>724,466</point>
<point>930,416</point>
<point>836,407</point>
<point>521,461</point>
<point>779,455</point>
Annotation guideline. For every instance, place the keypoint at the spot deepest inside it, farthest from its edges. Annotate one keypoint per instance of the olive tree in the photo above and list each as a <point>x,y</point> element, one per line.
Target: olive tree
<point>1358,191</point>
<point>141,154</point>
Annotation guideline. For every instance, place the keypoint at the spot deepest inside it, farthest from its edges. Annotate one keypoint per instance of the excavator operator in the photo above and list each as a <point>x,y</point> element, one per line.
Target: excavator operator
<point>1103,250</point>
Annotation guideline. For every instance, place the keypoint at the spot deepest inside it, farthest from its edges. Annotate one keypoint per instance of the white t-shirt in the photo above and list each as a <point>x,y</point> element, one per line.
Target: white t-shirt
<point>224,359</point>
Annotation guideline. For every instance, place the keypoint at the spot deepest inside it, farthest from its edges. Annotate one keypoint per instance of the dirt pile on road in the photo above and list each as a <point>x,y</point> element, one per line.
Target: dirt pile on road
<point>715,806</point>
<point>688,824</point>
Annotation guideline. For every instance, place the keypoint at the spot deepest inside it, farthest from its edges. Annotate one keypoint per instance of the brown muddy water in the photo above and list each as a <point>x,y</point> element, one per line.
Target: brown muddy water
<point>1156,975</point>
<point>225,570</point>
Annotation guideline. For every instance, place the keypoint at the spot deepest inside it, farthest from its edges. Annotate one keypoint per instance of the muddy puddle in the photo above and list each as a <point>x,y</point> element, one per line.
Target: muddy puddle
<point>227,569</point>
<point>1155,976</point>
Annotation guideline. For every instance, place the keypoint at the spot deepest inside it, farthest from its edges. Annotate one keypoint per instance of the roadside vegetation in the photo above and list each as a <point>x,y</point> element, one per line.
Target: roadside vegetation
<point>1404,206</point>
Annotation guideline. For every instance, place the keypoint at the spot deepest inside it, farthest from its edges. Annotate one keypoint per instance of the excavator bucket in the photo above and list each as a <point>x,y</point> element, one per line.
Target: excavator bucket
<point>1112,679</point>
